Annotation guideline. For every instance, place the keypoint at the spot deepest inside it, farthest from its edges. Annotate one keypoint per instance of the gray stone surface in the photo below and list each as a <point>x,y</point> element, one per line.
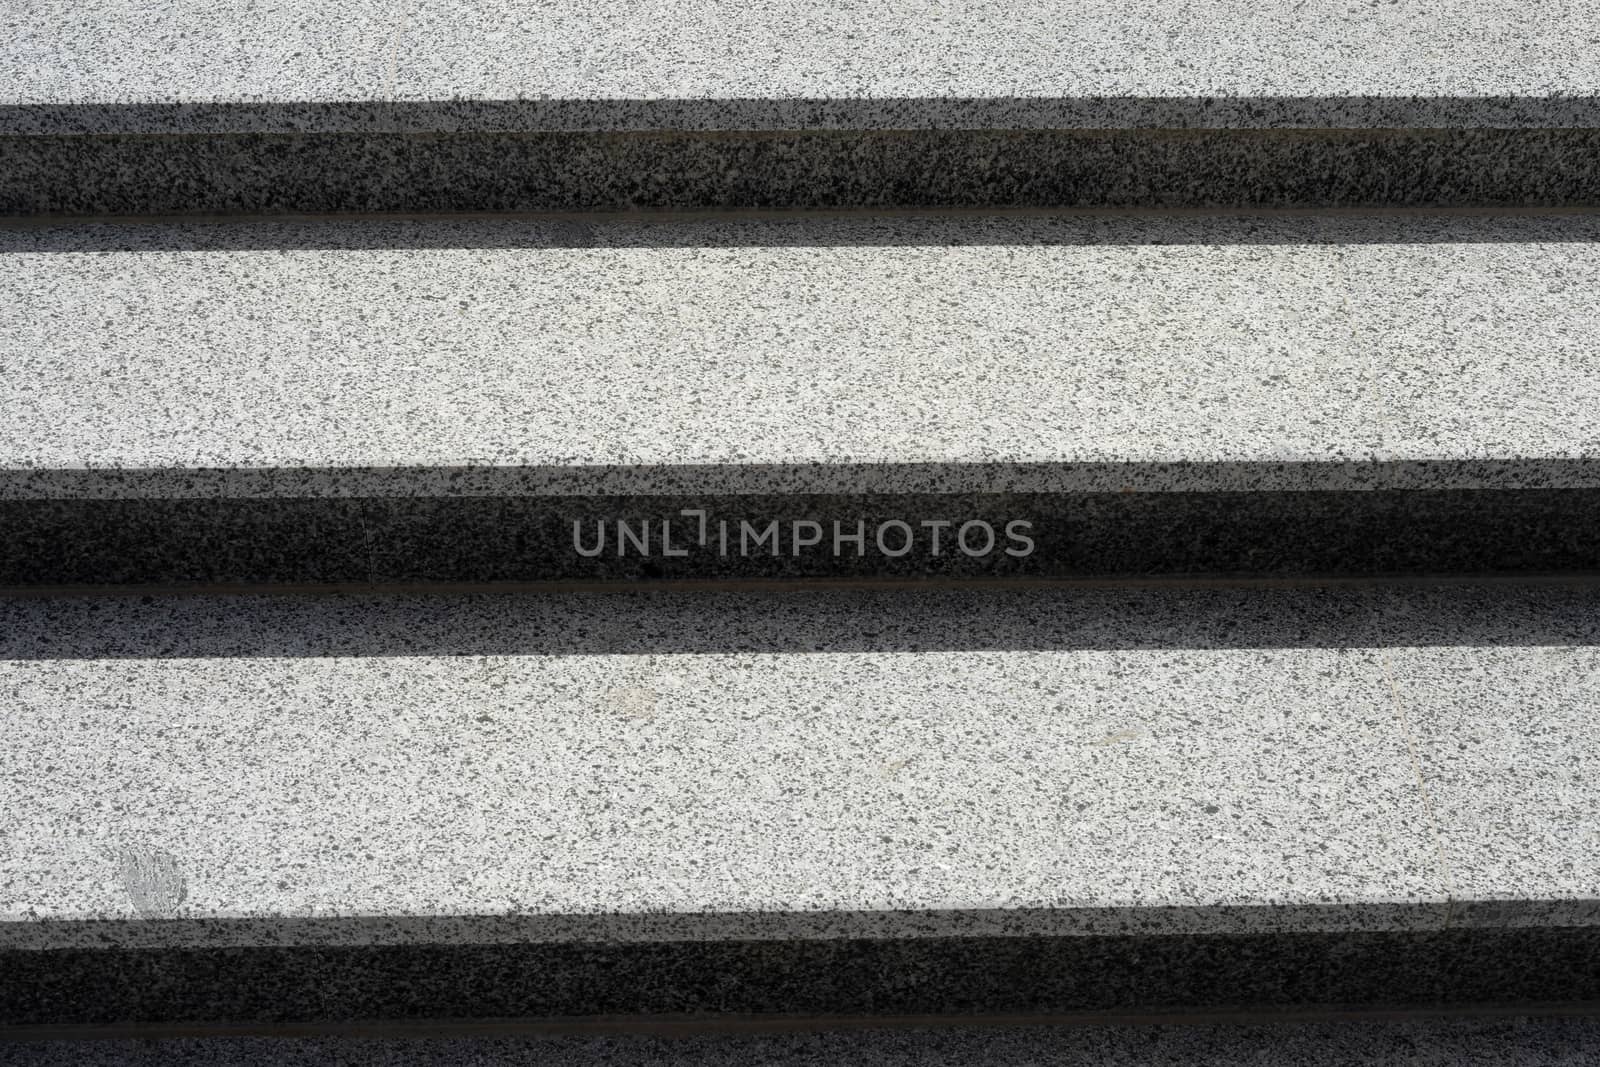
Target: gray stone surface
<point>612,64</point>
<point>1511,758</point>
<point>562,769</point>
<point>845,355</point>
<point>816,766</point>
<point>1531,1042</point>
<point>328,810</point>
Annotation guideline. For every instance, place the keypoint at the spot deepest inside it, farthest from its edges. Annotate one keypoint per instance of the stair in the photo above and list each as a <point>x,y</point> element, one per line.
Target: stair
<point>997,398</point>
<point>501,105</point>
<point>626,517</point>
<point>278,809</point>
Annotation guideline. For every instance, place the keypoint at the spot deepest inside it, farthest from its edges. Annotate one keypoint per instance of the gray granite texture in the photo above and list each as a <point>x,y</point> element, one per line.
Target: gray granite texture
<point>345,808</point>
<point>939,763</point>
<point>190,66</point>
<point>1491,1042</point>
<point>442,402</point>
<point>1510,787</point>
<point>991,354</point>
<point>564,795</point>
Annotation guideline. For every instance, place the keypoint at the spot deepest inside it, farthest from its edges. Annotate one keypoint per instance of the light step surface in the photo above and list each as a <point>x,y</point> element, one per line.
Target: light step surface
<point>286,808</point>
<point>478,401</point>
<point>1322,63</point>
<point>513,106</point>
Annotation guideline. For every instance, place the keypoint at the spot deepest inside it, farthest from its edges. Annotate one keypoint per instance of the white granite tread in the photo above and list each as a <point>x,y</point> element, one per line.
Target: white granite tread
<point>265,770</point>
<point>951,354</point>
<point>765,64</point>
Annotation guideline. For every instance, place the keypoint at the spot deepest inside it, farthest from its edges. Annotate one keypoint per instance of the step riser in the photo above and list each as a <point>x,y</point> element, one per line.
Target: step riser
<point>848,977</point>
<point>626,539</point>
<point>128,174</point>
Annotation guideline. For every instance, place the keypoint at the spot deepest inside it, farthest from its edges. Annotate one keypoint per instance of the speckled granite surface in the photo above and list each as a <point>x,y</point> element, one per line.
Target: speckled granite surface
<point>282,808</point>
<point>1531,1042</point>
<point>608,64</point>
<point>666,767</point>
<point>844,355</point>
<point>713,796</point>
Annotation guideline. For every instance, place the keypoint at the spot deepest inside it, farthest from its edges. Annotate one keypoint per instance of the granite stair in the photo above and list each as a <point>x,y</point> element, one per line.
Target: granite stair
<point>278,811</point>
<point>187,107</point>
<point>610,519</point>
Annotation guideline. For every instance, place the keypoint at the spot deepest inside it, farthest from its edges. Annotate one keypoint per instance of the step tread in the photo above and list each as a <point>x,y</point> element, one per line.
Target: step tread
<point>1326,63</point>
<point>636,768</point>
<point>824,355</point>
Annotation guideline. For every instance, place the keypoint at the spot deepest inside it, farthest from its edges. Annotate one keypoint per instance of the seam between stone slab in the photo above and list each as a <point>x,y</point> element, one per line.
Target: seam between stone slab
<point>1401,719</point>
<point>398,33</point>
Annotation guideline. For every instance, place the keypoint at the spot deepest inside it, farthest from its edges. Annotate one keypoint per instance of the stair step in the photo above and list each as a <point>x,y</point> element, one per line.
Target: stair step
<point>1045,398</point>
<point>500,106</point>
<point>256,809</point>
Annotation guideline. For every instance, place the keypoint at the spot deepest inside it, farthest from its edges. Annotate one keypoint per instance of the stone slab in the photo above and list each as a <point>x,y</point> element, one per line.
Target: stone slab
<point>569,791</point>
<point>443,401</point>
<point>291,809</point>
<point>832,355</point>
<point>466,105</point>
<point>186,66</point>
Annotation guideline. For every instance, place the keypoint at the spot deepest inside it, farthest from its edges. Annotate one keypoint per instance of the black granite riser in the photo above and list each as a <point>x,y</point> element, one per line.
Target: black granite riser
<point>629,539</point>
<point>284,173</point>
